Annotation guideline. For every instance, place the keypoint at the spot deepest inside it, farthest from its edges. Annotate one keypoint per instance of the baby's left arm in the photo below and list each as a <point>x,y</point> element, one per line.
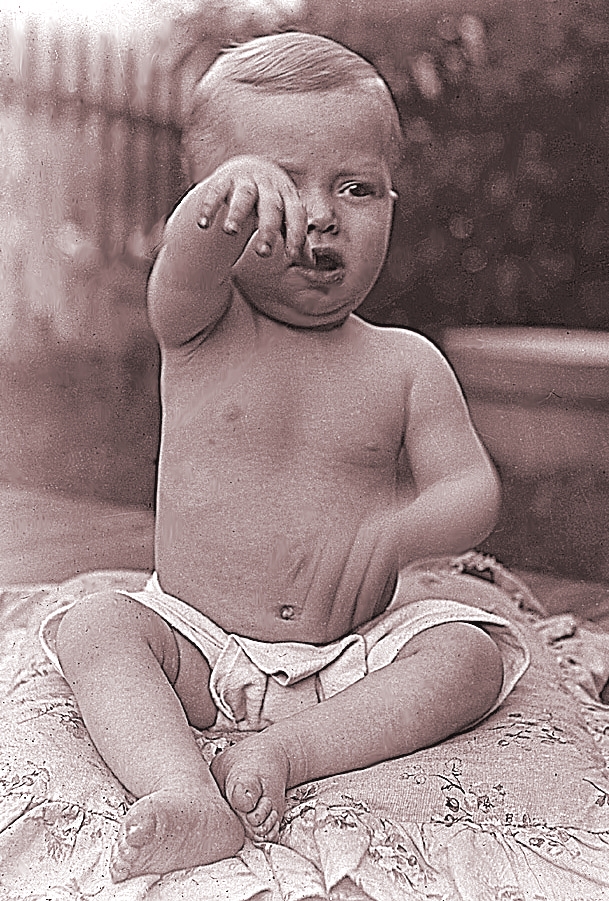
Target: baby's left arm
<point>457,492</point>
<point>457,488</point>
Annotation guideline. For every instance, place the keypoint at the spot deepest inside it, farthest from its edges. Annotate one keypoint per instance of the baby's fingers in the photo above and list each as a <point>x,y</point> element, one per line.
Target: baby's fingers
<point>295,219</point>
<point>241,205</point>
<point>271,214</point>
<point>240,199</point>
<point>212,195</point>
<point>281,213</point>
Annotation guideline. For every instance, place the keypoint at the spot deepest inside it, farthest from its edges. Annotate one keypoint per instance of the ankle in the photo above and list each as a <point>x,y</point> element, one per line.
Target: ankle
<point>289,748</point>
<point>195,782</point>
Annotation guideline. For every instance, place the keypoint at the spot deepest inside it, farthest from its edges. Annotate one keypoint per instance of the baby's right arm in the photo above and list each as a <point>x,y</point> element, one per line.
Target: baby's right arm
<point>190,286</point>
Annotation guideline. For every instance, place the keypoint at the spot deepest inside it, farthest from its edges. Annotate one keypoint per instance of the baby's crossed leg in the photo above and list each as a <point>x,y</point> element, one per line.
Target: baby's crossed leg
<point>443,680</point>
<point>134,679</point>
<point>136,682</point>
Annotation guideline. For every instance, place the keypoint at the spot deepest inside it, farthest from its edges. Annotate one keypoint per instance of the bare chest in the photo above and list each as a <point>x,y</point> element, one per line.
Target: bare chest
<point>282,409</point>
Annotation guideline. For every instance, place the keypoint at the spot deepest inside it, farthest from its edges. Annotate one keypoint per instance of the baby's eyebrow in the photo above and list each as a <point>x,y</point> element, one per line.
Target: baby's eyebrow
<point>357,169</point>
<point>365,164</point>
<point>368,172</point>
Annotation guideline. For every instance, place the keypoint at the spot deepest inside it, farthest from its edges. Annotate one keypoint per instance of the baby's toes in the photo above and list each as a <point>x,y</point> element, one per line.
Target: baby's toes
<point>131,839</point>
<point>268,832</point>
<point>244,797</point>
<point>123,859</point>
<point>268,829</point>
<point>261,811</point>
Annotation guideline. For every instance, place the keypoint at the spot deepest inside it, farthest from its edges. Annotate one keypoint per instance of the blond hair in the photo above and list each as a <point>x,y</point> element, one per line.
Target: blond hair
<point>288,63</point>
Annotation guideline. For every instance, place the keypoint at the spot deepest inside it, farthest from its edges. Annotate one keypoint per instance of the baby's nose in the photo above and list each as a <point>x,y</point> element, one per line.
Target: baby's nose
<point>321,216</point>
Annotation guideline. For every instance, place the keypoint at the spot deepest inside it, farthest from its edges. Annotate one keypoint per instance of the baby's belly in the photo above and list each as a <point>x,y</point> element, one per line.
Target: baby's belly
<point>263,553</point>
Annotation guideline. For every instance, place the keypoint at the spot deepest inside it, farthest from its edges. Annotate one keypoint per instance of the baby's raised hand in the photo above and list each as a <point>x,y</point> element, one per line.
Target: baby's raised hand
<point>253,189</point>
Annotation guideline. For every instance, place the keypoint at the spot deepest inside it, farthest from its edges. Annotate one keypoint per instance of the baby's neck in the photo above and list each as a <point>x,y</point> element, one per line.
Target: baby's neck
<point>308,325</point>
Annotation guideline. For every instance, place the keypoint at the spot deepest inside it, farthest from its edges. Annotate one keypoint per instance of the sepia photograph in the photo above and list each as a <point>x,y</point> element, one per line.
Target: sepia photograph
<point>304,460</point>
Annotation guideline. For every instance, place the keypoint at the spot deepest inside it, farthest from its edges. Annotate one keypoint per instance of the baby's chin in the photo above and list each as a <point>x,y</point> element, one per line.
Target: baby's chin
<point>299,315</point>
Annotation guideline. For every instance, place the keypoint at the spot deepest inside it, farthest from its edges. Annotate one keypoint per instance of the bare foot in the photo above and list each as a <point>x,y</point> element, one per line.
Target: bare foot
<point>253,775</point>
<point>174,830</point>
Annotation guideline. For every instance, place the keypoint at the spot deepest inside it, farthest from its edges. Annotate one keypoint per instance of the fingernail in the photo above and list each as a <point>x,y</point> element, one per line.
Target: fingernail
<point>203,222</point>
<point>230,228</point>
<point>264,250</point>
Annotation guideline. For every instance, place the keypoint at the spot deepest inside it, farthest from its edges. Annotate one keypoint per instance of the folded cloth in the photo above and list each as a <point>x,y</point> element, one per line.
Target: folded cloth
<point>255,683</point>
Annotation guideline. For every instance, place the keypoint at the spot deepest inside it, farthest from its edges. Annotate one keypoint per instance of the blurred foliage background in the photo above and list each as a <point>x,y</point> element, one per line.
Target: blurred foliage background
<point>503,217</point>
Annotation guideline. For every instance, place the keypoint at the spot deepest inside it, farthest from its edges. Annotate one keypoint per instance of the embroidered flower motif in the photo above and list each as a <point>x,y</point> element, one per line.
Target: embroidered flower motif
<point>61,824</point>
<point>415,773</point>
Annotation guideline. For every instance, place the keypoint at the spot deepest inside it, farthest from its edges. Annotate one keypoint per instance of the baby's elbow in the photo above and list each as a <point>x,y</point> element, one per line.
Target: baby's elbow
<point>484,492</point>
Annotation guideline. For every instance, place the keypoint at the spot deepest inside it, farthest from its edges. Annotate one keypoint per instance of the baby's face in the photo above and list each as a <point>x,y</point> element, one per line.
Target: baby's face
<point>335,147</point>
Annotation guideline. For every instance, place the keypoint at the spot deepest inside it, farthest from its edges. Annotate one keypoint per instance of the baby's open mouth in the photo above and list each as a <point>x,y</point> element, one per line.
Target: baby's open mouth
<point>322,265</point>
<point>326,259</point>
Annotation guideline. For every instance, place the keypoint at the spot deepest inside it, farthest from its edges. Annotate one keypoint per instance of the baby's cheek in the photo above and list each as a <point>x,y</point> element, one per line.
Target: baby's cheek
<point>255,276</point>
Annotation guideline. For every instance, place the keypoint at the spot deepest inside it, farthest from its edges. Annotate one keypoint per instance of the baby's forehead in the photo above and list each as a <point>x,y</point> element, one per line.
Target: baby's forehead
<point>372,93</point>
<point>293,119</point>
<point>243,119</point>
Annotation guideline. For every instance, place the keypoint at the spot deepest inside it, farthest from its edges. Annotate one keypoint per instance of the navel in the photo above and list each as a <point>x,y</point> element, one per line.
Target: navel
<point>234,412</point>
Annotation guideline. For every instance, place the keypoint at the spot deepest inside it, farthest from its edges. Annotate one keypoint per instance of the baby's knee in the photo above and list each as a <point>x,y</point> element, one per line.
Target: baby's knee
<point>469,641</point>
<point>463,645</point>
<point>482,658</point>
<point>102,625</point>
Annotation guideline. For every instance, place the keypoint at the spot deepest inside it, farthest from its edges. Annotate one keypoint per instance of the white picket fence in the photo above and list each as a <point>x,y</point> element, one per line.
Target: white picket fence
<point>113,114</point>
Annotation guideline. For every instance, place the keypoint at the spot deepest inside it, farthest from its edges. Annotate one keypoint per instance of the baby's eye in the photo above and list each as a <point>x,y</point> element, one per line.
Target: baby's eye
<point>357,189</point>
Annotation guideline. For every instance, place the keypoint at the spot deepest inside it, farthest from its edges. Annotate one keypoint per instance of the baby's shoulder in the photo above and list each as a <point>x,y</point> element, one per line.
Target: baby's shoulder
<point>409,351</point>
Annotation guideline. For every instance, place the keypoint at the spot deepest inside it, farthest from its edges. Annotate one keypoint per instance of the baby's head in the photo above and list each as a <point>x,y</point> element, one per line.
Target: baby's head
<point>282,64</point>
<point>323,115</point>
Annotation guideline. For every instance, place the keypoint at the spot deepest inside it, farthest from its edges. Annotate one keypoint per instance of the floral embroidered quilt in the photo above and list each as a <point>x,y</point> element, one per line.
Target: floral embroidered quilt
<point>516,809</point>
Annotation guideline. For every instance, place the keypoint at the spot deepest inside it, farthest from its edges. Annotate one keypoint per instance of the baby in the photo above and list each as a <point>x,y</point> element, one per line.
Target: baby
<point>307,458</point>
